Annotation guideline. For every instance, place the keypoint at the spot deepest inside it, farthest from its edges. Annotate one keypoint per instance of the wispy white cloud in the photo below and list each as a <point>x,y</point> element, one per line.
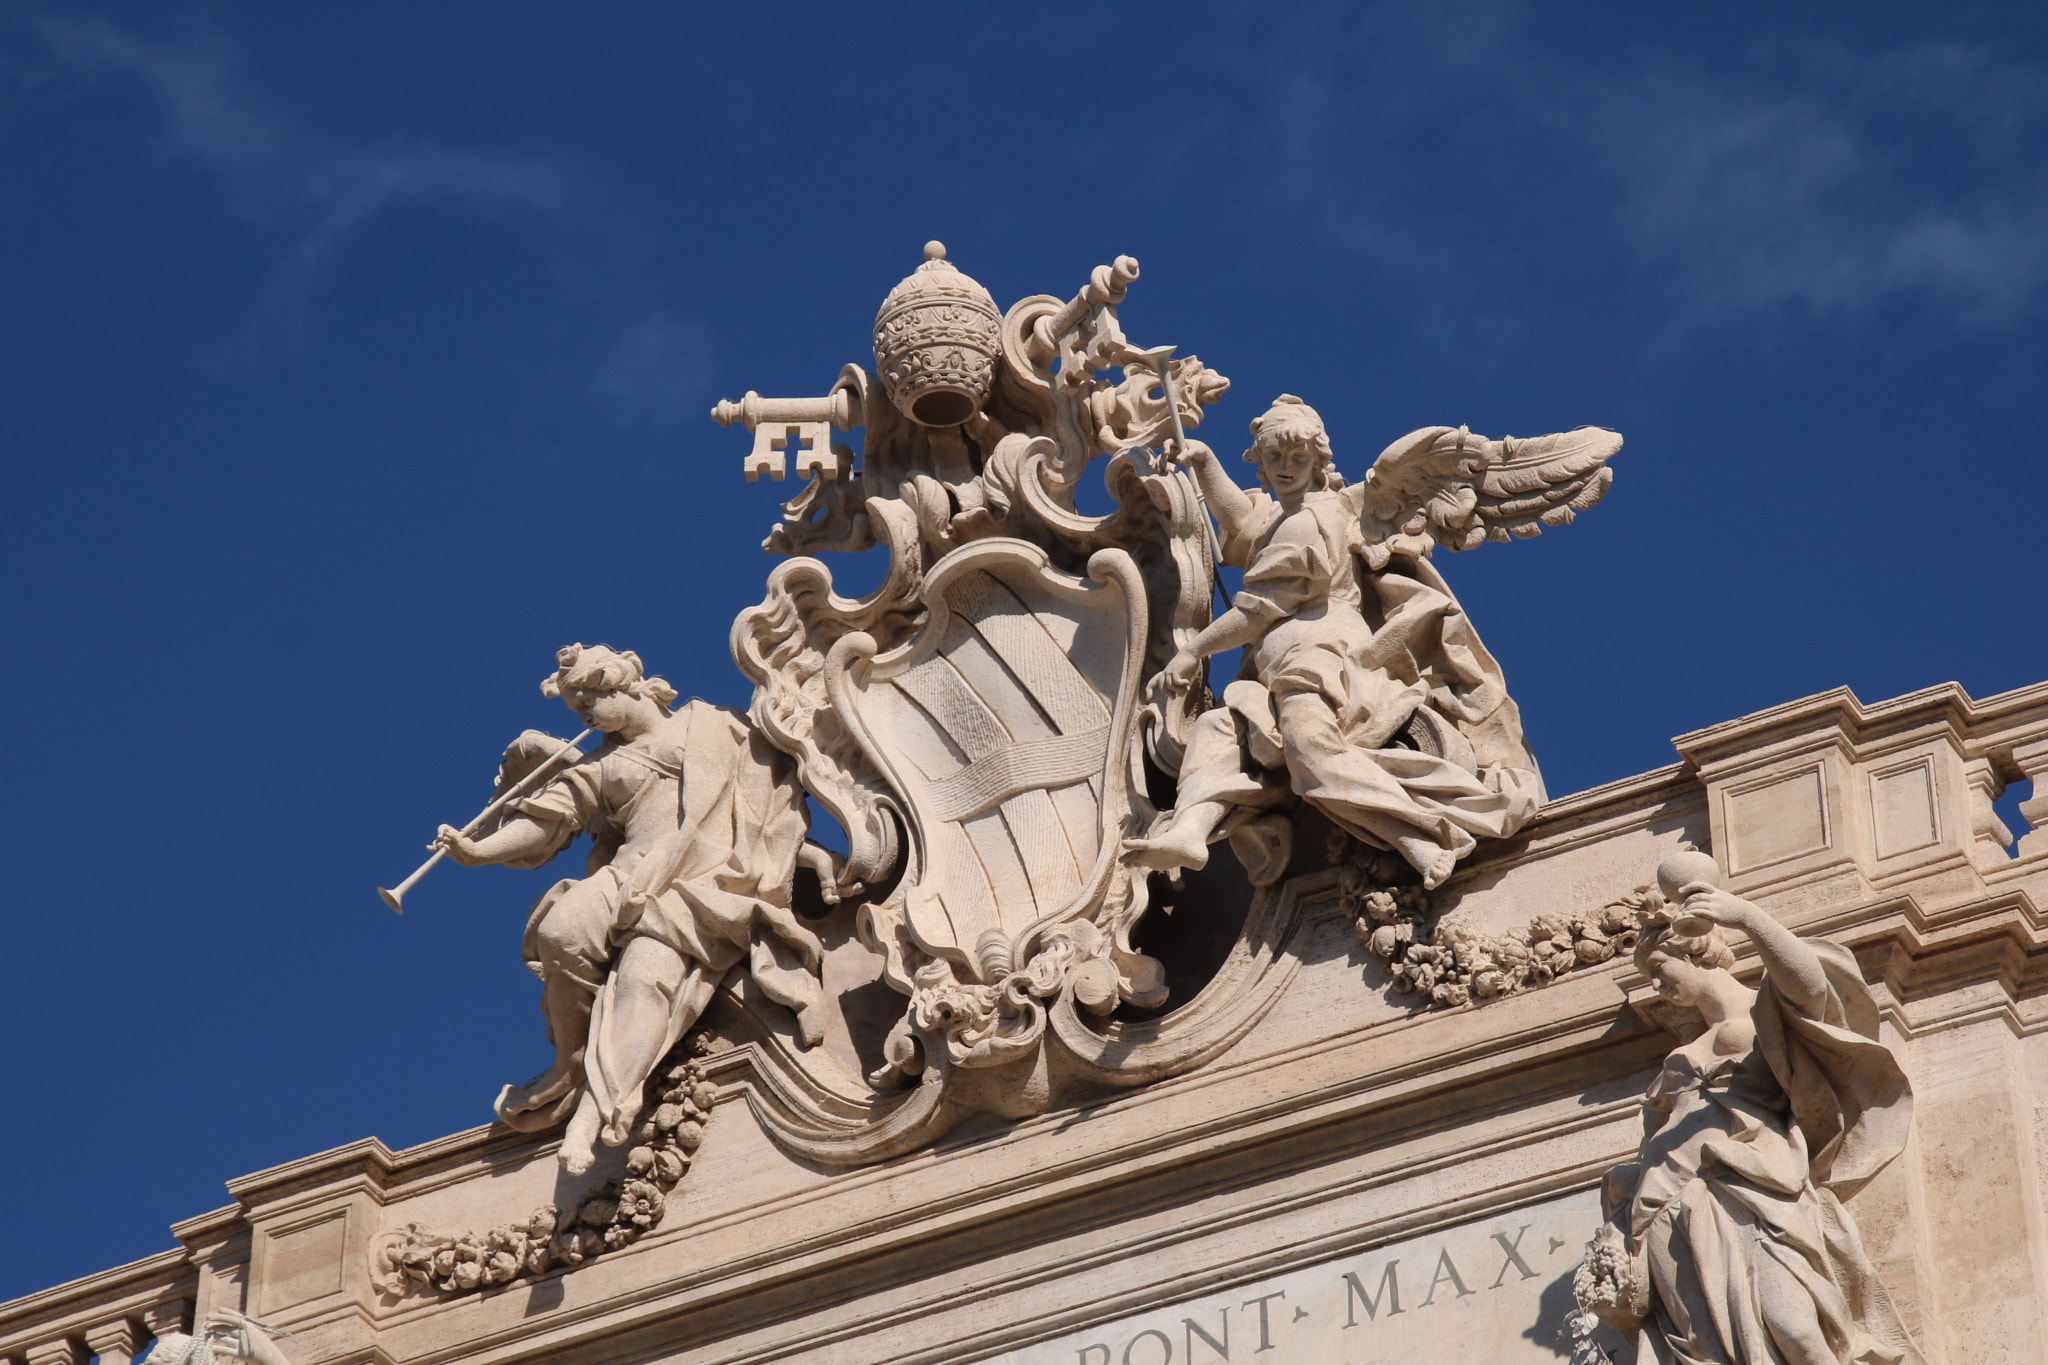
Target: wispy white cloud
<point>275,168</point>
<point>656,376</point>
<point>624,388</point>
<point>1799,186</point>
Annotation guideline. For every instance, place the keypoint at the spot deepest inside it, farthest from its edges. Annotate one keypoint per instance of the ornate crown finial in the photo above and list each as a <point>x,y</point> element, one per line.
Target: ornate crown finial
<point>936,341</point>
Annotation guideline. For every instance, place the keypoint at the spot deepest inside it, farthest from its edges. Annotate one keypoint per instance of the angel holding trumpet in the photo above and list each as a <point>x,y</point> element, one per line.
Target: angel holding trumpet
<point>1365,691</point>
<point>697,827</point>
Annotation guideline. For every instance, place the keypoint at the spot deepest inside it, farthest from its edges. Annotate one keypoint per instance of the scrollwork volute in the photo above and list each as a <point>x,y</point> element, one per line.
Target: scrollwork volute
<point>991,725</point>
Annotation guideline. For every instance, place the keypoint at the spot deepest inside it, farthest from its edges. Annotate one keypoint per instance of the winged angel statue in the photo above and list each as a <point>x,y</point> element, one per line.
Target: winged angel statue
<point>1365,691</point>
<point>994,723</point>
<point>990,724</point>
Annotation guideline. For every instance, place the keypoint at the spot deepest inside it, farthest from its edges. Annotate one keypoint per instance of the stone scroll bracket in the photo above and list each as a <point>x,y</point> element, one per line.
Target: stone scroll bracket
<point>1083,1060</point>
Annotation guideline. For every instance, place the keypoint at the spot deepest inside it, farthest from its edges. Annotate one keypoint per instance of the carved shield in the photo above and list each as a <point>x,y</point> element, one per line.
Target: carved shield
<point>1005,727</point>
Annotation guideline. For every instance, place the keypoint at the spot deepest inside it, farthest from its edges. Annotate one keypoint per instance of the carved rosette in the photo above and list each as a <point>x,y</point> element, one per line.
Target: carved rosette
<point>937,337</point>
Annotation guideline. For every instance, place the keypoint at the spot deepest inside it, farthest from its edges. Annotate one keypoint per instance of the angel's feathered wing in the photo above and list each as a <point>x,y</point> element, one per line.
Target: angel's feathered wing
<point>1445,486</point>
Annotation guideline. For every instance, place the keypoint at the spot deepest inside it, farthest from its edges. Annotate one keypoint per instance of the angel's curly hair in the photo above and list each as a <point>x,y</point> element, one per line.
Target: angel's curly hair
<point>599,668</point>
<point>1290,421</point>
<point>1654,935</point>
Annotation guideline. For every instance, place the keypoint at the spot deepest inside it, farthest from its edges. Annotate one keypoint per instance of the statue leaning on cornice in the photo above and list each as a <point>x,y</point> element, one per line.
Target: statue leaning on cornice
<point>1728,1241</point>
<point>225,1337</point>
<point>696,825</point>
<point>1365,690</point>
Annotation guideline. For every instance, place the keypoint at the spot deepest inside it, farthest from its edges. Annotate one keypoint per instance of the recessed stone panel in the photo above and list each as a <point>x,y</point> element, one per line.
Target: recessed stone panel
<point>1498,1291</point>
<point>1904,815</point>
<point>1777,820</point>
<point>304,1262</point>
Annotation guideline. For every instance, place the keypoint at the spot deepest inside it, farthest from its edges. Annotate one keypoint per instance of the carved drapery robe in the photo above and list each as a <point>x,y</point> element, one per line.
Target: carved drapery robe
<point>1345,657</point>
<point>695,841</point>
<point>1733,1207</point>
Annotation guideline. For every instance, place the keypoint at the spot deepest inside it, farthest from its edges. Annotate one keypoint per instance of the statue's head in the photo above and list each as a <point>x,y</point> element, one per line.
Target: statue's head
<point>1677,964</point>
<point>177,1348</point>
<point>1291,448</point>
<point>588,677</point>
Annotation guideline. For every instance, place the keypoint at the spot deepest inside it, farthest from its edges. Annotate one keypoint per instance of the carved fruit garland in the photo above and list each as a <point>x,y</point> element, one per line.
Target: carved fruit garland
<point>1452,964</point>
<point>678,1103</point>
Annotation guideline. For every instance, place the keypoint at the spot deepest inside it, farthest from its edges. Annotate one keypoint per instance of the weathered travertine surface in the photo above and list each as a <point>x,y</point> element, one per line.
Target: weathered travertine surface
<point>1139,1025</point>
<point>1352,1126</point>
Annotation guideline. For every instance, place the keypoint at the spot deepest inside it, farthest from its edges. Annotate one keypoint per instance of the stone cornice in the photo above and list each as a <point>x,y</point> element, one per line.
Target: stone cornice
<point>78,1306</point>
<point>1547,1057</point>
<point>1326,1109</point>
<point>2018,711</point>
<point>1567,1057</point>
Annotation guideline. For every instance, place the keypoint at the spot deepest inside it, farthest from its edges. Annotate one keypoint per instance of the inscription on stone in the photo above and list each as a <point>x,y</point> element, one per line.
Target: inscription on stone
<point>1497,1291</point>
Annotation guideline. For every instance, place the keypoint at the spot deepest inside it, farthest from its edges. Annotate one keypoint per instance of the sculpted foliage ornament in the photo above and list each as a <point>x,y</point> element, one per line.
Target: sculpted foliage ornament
<point>1015,733</point>
<point>1451,964</point>
<point>615,1214</point>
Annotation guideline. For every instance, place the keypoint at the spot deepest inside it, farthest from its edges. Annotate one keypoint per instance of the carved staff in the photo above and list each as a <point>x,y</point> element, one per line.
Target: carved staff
<point>1161,358</point>
<point>395,897</point>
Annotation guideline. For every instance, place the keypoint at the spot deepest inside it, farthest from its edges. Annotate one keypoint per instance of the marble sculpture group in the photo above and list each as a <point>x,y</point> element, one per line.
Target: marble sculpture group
<point>991,726</point>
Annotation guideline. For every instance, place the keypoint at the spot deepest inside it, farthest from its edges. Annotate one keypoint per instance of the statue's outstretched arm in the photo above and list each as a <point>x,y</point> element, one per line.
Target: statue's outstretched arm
<point>520,837</point>
<point>1792,964</point>
<point>1227,502</point>
<point>830,867</point>
<point>1232,630</point>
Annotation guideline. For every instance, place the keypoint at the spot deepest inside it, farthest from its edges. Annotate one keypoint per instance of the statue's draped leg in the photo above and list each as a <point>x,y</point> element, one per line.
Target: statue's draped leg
<point>653,995</point>
<point>568,946</point>
<point>1430,811</point>
<point>1224,764</point>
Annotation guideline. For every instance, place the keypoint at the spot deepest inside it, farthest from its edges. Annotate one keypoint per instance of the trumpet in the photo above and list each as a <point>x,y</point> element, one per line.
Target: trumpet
<point>395,897</point>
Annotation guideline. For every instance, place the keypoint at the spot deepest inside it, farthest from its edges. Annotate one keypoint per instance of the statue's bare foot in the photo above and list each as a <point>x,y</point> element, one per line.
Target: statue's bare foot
<point>1264,846</point>
<point>579,1143</point>
<point>1177,846</point>
<point>1441,865</point>
<point>540,1092</point>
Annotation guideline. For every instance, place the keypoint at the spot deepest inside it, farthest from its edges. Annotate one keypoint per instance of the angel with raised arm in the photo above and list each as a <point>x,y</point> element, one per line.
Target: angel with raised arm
<point>1365,690</point>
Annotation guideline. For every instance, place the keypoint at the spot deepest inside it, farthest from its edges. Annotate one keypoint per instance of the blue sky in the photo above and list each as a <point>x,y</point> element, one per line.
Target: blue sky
<point>358,357</point>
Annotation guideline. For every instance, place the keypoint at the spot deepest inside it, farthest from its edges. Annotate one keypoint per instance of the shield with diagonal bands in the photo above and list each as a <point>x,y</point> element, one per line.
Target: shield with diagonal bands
<point>1005,726</point>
